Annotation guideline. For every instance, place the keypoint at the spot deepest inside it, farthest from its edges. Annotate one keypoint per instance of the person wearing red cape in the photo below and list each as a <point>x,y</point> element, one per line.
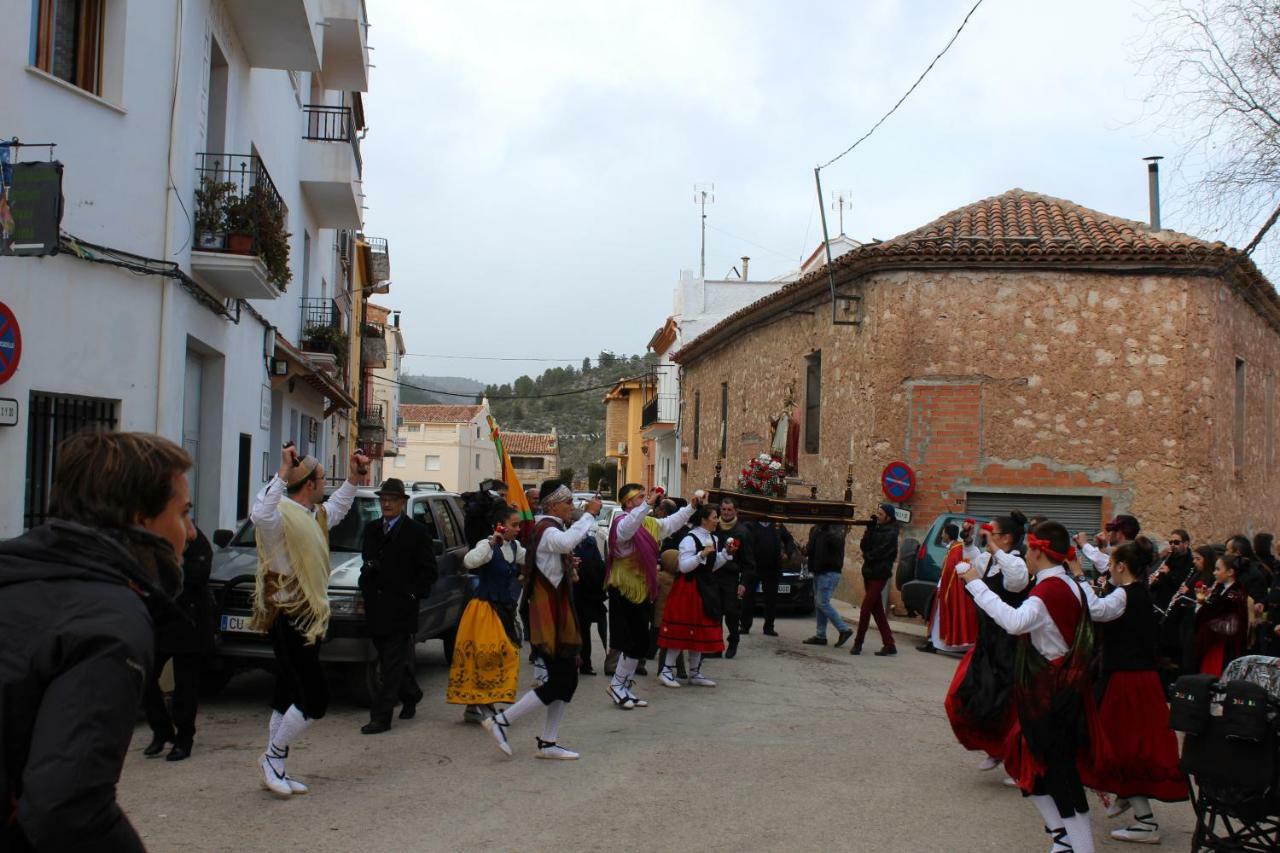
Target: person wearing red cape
<point>1141,762</point>
<point>979,702</point>
<point>1052,691</point>
<point>953,622</point>
<point>1222,618</point>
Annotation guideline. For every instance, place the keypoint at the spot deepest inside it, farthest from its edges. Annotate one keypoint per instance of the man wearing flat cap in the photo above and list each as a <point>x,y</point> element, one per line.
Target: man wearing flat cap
<point>399,569</point>
<point>1119,530</point>
<point>291,597</point>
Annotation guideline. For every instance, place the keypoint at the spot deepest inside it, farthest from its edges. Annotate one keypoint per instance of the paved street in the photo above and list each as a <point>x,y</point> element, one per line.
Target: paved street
<point>799,748</point>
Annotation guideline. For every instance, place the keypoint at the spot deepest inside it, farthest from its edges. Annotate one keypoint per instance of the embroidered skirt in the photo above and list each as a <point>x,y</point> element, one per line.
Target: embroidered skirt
<point>684,624</point>
<point>486,664</point>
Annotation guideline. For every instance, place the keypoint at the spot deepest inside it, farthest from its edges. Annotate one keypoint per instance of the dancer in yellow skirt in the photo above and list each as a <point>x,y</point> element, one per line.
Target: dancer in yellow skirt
<point>486,654</point>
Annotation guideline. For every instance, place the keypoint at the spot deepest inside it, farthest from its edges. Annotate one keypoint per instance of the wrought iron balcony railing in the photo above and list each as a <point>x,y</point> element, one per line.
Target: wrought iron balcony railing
<point>320,314</point>
<point>333,124</point>
<point>238,208</point>
<point>663,408</point>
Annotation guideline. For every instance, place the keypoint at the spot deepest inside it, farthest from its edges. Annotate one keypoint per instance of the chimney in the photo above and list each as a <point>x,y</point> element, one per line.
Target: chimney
<point>745,261</point>
<point>1153,189</point>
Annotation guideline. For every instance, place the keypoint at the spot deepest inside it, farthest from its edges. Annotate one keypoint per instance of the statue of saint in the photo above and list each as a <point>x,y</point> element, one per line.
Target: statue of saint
<point>784,445</point>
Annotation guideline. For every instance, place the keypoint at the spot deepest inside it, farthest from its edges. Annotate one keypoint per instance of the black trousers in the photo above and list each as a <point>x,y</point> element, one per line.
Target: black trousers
<point>562,680</point>
<point>630,626</point>
<point>590,613</point>
<point>178,723</point>
<point>726,590</point>
<point>299,678</point>
<point>769,588</point>
<point>395,659</point>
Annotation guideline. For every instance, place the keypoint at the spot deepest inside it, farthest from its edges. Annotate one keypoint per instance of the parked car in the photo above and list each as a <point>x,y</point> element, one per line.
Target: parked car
<point>795,586</point>
<point>347,642</point>
<point>920,563</point>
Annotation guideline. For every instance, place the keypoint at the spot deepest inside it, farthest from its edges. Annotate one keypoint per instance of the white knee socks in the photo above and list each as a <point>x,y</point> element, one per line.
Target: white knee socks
<point>1079,832</point>
<point>695,662</point>
<point>1142,807</point>
<point>524,705</point>
<point>555,713</point>
<point>626,669</point>
<point>273,726</point>
<point>291,726</point>
<point>1048,811</point>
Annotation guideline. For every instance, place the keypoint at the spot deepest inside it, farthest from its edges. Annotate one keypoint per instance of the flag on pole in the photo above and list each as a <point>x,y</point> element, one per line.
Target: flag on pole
<point>515,491</point>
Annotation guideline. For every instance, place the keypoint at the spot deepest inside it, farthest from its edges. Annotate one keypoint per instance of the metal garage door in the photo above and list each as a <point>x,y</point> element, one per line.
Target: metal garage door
<point>1077,512</point>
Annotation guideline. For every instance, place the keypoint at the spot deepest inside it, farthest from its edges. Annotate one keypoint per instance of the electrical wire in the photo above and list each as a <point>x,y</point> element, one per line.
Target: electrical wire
<point>575,360</point>
<point>750,242</point>
<point>919,79</point>
<point>473,395</point>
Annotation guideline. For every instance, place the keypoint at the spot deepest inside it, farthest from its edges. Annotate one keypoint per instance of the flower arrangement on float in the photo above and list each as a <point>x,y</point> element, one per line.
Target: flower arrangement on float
<point>763,475</point>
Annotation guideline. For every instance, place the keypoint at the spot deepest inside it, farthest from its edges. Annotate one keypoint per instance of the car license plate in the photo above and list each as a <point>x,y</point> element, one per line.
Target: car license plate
<point>237,624</point>
<point>784,588</point>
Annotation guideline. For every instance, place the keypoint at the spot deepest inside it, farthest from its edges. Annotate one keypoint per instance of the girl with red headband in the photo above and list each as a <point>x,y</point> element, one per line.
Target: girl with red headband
<point>1051,686</point>
<point>979,702</point>
<point>1141,758</point>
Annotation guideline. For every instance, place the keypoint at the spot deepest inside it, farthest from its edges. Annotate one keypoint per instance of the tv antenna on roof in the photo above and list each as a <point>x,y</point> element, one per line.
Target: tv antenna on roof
<point>704,194</point>
<point>842,201</point>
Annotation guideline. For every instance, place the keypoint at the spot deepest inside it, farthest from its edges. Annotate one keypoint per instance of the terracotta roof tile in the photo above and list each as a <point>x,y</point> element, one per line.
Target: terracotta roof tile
<point>418,413</point>
<point>1019,229</point>
<point>534,443</point>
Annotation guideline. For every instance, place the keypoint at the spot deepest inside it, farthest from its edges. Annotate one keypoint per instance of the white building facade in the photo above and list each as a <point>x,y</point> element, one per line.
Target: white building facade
<point>188,121</point>
<point>446,444</point>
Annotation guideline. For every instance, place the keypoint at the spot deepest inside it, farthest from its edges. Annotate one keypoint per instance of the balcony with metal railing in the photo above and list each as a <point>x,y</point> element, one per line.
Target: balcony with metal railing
<point>323,336</point>
<point>331,165</point>
<point>373,345</point>
<point>379,264</point>
<point>663,409</point>
<point>241,240</point>
<point>371,424</point>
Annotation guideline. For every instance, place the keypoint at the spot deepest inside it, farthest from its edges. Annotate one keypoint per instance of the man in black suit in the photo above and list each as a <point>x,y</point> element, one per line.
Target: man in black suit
<point>399,569</point>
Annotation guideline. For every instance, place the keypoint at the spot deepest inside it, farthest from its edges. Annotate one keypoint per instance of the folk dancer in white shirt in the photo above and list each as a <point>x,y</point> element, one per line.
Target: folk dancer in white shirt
<point>291,600</point>
<point>1051,684</point>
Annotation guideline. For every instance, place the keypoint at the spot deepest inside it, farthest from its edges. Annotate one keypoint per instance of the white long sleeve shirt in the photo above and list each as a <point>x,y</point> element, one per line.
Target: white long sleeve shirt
<point>1011,568</point>
<point>267,522</point>
<point>631,523</point>
<point>1100,559</point>
<point>1031,617</point>
<point>556,542</point>
<point>1105,608</point>
<point>480,555</point>
<point>691,551</point>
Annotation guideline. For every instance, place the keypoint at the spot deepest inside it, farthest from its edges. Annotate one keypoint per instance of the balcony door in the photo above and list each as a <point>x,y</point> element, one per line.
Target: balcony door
<point>216,117</point>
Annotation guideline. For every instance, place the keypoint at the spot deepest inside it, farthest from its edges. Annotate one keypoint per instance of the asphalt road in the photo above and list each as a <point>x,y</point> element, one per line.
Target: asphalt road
<point>799,748</point>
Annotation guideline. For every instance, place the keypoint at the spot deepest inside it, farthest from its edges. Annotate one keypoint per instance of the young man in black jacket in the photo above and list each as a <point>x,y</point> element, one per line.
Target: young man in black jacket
<point>770,543</point>
<point>77,599</point>
<point>737,577</point>
<point>399,569</point>
<point>825,551</point>
<point>879,547</point>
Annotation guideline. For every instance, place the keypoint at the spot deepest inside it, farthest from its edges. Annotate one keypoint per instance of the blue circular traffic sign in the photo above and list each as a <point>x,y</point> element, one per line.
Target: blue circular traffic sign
<point>10,344</point>
<point>898,481</point>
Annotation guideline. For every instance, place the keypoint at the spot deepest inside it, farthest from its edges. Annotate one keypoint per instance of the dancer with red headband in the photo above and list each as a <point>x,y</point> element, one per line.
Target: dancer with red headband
<point>1051,685</point>
<point>979,702</point>
<point>1141,758</point>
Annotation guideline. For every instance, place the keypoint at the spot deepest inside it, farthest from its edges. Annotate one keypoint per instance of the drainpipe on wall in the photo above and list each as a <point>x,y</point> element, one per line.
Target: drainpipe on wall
<point>162,339</point>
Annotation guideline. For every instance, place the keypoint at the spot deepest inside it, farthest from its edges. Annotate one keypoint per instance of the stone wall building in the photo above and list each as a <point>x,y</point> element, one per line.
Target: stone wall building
<point>1020,350</point>
<point>534,455</point>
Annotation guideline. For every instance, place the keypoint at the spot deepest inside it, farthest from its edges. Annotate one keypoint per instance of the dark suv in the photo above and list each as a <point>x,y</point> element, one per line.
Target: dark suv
<point>347,642</point>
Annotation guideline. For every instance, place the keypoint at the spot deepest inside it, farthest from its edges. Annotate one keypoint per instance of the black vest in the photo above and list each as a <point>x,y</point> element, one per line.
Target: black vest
<point>1129,643</point>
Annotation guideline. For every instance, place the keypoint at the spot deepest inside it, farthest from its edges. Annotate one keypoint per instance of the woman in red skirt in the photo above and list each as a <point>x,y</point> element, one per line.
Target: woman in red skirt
<point>1222,618</point>
<point>686,624</point>
<point>1141,751</point>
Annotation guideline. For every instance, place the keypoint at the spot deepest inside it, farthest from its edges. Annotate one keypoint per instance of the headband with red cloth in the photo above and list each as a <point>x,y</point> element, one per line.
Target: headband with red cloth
<point>1042,545</point>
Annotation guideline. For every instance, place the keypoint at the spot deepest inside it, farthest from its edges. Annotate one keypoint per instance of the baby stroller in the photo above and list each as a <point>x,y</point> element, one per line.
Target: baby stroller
<point>1231,754</point>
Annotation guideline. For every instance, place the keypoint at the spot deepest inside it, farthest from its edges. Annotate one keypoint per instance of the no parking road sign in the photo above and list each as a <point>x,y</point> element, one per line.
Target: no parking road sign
<point>898,481</point>
<point>10,344</point>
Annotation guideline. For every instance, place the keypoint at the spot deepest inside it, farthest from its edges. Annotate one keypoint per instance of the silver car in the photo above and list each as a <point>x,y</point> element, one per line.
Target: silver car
<point>347,642</point>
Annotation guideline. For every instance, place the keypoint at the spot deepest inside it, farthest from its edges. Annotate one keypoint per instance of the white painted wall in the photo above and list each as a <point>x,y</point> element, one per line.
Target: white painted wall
<point>97,331</point>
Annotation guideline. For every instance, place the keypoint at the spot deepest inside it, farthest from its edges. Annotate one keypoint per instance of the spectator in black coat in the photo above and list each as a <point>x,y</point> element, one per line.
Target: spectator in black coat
<point>879,549</point>
<point>770,544</point>
<point>186,638</point>
<point>77,600</point>
<point>736,576</point>
<point>588,599</point>
<point>399,569</point>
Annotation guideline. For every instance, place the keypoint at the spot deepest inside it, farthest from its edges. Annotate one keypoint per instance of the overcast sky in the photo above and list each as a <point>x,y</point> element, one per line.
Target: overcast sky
<point>533,164</point>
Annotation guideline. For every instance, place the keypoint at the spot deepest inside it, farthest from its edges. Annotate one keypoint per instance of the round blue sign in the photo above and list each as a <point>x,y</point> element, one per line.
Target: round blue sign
<point>898,481</point>
<point>10,343</point>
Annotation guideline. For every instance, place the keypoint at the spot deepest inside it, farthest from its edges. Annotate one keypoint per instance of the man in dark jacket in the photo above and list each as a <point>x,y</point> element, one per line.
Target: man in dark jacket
<point>736,577</point>
<point>770,544</point>
<point>186,638</point>
<point>77,598</point>
<point>589,598</point>
<point>826,563</point>
<point>879,549</point>
<point>399,569</point>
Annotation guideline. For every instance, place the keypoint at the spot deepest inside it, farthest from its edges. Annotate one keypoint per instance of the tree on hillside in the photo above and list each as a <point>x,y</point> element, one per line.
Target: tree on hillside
<point>1217,67</point>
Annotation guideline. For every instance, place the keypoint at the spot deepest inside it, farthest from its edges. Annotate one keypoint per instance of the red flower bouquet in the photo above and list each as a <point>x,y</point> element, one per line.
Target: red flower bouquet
<point>763,475</point>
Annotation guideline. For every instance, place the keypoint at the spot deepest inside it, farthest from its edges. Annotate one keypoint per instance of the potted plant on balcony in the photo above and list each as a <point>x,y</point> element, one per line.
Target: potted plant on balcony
<point>255,220</point>
<point>329,339</point>
<point>212,197</point>
<point>241,228</point>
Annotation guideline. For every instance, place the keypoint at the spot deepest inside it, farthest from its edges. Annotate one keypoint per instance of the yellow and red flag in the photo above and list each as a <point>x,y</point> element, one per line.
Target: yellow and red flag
<point>515,491</point>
